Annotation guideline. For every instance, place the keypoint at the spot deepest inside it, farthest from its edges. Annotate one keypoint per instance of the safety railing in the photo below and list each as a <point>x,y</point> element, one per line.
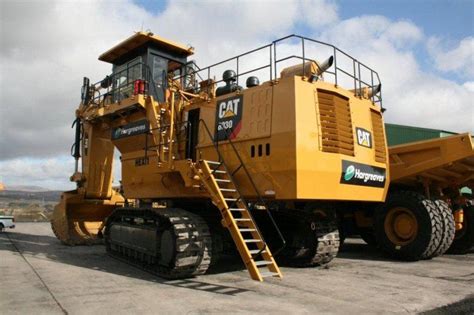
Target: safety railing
<point>345,70</point>
<point>134,79</point>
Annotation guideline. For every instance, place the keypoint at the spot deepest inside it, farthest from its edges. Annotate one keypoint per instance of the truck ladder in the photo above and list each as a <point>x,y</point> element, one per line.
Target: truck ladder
<point>256,255</point>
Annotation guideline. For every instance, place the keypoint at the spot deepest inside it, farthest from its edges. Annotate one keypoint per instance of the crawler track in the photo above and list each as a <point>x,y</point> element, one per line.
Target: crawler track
<point>171,243</point>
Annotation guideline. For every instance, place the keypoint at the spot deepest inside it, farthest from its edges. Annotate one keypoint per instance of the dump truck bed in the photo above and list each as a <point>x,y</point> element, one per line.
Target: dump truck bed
<point>445,161</point>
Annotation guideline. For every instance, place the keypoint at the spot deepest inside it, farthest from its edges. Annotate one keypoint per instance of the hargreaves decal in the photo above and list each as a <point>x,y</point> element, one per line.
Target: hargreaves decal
<point>132,129</point>
<point>364,137</point>
<point>229,117</point>
<point>362,174</point>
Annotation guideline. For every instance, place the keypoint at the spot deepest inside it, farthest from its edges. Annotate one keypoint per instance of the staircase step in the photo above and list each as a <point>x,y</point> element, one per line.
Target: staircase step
<point>247,230</point>
<point>256,251</point>
<point>224,191</point>
<point>222,180</point>
<point>228,189</point>
<point>253,241</point>
<point>213,162</point>
<point>266,274</point>
<point>218,171</point>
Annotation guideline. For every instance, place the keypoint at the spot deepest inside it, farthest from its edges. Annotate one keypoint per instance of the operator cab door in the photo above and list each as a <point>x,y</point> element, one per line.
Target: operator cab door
<point>159,69</point>
<point>193,133</point>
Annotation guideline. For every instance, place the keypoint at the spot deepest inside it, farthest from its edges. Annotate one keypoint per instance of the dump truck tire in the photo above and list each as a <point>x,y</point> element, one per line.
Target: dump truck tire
<point>368,235</point>
<point>464,238</point>
<point>408,226</point>
<point>449,227</point>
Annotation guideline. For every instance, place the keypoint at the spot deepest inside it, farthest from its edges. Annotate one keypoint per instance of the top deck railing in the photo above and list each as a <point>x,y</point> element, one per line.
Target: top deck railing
<point>345,71</point>
<point>134,79</point>
<point>265,61</point>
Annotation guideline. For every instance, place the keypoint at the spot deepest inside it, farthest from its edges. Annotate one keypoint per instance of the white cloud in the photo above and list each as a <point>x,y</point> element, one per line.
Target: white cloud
<point>469,85</point>
<point>411,95</point>
<point>52,173</point>
<point>403,33</point>
<point>47,49</point>
<point>317,13</point>
<point>459,58</point>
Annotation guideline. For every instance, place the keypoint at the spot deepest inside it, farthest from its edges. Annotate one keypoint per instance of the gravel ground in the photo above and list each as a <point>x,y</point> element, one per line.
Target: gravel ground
<point>39,275</point>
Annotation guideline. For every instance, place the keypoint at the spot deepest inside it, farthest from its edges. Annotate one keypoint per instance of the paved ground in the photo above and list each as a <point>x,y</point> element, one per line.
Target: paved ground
<point>39,275</point>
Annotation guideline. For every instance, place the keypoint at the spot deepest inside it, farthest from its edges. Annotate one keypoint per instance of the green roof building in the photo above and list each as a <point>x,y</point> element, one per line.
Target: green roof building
<point>399,134</point>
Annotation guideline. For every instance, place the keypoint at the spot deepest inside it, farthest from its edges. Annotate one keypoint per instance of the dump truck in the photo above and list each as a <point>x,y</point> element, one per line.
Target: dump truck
<point>271,170</point>
<point>431,172</point>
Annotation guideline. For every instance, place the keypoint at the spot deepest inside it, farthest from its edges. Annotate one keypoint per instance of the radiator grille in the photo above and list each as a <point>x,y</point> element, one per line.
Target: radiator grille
<point>379,137</point>
<point>336,123</point>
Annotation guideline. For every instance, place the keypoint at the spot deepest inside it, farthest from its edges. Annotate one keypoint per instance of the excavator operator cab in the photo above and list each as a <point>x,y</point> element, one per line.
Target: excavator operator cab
<point>142,64</point>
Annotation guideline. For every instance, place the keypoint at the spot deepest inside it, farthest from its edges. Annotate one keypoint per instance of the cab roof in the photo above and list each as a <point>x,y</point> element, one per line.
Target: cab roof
<point>140,39</point>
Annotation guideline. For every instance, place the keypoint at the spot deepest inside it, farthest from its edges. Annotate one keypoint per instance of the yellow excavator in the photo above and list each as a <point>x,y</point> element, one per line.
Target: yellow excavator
<point>273,169</point>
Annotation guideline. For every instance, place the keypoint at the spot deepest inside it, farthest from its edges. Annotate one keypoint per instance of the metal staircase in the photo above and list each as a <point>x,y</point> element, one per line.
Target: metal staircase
<point>256,255</point>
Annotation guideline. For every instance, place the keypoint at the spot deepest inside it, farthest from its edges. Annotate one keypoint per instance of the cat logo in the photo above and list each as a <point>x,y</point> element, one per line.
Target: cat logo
<point>229,108</point>
<point>228,118</point>
<point>364,137</point>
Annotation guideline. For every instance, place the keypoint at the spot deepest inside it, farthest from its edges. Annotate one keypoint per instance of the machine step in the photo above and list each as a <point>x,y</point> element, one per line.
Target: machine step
<point>266,274</point>
<point>213,162</point>
<point>253,241</point>
<point>222,180</point>
<point>247,225</point>
<point>218,172</point>
<point>228,190</point>
<point>257,251</point>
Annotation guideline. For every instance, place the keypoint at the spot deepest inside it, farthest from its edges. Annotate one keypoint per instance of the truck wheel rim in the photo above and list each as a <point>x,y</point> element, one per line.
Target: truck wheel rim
<point>401,226</point>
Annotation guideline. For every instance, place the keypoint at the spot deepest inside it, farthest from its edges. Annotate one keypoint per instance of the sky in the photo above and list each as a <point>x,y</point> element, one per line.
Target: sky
<point>422,50</point>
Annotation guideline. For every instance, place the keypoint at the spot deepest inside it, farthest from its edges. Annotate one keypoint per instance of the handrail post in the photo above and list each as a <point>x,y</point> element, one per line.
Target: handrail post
<point>275,58</point>
<point>360,82</point>
<point>355,73</point>
<point>335,67</point>
<point>372,82</point>
<point>171,132</point>
<point>302,49</point>
<point>271,63</point>
<point>237,61</point>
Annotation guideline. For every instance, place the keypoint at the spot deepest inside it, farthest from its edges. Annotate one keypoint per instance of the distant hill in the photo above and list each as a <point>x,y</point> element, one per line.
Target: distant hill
<point>46,195</point>
<point>26,188</point>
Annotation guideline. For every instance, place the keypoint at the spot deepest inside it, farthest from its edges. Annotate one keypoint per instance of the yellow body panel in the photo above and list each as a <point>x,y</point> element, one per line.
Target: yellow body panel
<point>282,115</point>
